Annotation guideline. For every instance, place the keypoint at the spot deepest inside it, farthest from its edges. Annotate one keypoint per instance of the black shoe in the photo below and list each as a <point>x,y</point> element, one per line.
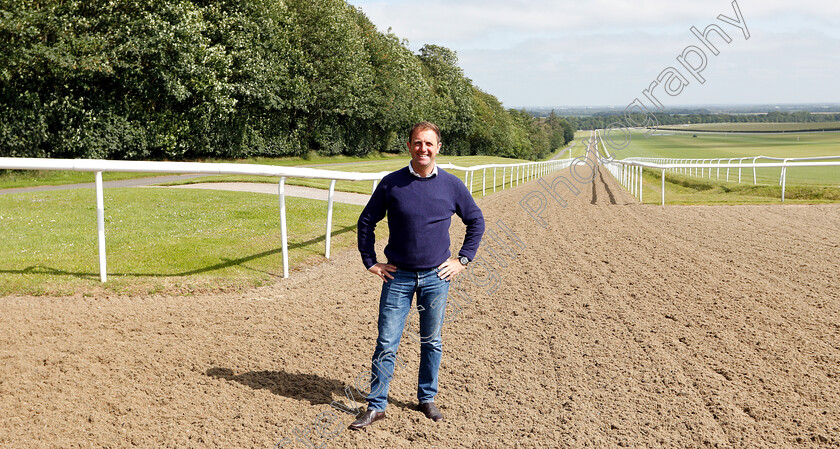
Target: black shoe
<point>431,411</point>
<point>368,418</point>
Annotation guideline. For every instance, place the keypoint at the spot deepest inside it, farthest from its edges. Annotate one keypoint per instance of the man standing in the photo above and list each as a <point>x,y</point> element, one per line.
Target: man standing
<point>419,201</point>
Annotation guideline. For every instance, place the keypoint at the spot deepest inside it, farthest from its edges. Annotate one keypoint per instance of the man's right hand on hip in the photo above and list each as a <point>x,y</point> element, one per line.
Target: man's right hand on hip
<point>383,270</point>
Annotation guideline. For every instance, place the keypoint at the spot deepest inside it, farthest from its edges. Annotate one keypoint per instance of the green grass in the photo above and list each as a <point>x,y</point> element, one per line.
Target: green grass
<point>755,127</point>
<point>31,178</point>
<point>682,145</point>
<point>687,190</point>
<point>158,240</point>
<point>579,149</point>
<point>180,242</point>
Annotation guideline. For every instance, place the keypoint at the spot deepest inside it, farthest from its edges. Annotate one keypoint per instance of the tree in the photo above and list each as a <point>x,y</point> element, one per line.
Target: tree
<point>399,95</point>
<point>451,105</point>
<point>492,131</point>
<point>186,79</point>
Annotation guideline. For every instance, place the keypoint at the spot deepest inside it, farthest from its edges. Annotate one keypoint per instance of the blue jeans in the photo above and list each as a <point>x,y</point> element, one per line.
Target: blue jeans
<point>394,308</point>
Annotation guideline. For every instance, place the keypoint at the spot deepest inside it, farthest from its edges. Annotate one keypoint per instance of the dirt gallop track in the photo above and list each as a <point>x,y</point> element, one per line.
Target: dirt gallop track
<point>617,325</point>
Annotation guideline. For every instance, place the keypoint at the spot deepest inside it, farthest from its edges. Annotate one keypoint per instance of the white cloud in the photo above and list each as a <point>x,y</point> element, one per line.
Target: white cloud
<point>469,19</point>
<point>541,52</point>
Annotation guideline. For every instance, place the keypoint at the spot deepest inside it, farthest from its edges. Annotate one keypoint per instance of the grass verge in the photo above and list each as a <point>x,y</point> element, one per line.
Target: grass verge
<point>176,242</point>
<point>711,146</point>
<point>10,179</point>
<point>689,190</point>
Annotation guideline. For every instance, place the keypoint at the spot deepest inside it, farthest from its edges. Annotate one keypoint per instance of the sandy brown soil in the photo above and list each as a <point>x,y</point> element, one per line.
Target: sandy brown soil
<point>618,325</point>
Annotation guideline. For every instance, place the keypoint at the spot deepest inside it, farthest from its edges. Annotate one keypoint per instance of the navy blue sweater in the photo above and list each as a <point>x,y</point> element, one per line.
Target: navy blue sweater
<point>419,213</point>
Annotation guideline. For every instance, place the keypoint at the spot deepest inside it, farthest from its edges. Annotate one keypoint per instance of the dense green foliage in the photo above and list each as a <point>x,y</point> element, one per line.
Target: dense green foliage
<point>605,120</point>
<point>185,79</point>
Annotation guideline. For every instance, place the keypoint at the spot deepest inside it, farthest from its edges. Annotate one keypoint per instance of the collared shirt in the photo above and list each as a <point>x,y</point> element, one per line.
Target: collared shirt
<point>433,173</point>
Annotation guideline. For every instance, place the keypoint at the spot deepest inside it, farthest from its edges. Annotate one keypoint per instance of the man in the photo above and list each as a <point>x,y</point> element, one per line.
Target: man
<point>419,201</point>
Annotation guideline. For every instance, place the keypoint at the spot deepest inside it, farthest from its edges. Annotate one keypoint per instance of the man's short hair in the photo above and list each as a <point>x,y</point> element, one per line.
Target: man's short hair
<point>423,126</point>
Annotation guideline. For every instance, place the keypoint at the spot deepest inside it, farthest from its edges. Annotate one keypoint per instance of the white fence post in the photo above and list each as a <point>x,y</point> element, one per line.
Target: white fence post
<point>663,186</point>
<point>784,181</point>
<point>483,181</point>
<point>284,241</point>
<point>629,172</point>
<point>641,184</point>
<point>100,227</point>
<point>329,217</point>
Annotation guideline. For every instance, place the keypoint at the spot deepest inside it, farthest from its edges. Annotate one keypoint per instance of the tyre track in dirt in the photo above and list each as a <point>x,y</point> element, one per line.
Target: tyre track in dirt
<point>701,258</point>
<point>617,325</point>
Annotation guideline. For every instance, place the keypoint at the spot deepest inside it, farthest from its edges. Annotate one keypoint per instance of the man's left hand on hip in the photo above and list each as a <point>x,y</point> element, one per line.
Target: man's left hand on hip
<point>450,269</point>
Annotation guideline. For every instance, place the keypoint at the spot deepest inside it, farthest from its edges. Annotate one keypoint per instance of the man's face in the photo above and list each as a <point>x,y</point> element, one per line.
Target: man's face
<point>424,146</point>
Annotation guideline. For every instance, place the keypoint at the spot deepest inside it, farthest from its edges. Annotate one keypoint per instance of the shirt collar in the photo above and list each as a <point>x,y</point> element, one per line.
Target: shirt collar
<point>433,173</point>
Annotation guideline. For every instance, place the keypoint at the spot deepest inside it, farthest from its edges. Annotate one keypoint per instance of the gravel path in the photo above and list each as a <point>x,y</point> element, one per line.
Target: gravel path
<point>291,190</point>
<point>567,150</point>
<point>137,182</point>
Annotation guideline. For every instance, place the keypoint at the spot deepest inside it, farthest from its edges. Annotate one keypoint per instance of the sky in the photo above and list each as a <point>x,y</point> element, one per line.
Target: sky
<point>540,53</point>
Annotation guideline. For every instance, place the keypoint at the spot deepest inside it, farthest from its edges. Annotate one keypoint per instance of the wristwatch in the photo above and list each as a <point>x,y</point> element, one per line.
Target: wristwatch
<point>464,260</point>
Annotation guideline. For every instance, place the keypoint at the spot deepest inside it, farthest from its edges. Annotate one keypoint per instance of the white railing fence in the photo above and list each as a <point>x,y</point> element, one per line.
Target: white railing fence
<point>734,162</point>
<point>520,172</point>
<point>629,172</point>
<point>512,174</point>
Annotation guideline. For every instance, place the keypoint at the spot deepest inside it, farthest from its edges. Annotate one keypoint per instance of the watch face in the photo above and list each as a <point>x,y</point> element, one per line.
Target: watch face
<point>464,260</point>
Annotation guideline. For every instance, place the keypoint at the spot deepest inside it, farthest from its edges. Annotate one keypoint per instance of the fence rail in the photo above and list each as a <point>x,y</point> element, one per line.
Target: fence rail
<point>629,172</point>
<point>734,162</point>
<point>512,174</point>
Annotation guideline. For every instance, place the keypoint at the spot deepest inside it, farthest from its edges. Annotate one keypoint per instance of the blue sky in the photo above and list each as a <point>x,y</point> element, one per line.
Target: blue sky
<point>606,52</point>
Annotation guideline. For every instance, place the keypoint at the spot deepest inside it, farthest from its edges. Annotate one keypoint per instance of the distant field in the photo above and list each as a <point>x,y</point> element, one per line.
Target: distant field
<point>755,127</point>
<point>691,190</point>
<point>682,145</point>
